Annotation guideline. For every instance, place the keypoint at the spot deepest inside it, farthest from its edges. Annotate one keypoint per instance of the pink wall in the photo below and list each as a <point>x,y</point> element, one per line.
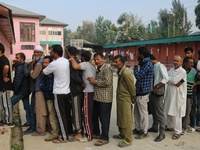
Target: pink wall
<point>17,45</point>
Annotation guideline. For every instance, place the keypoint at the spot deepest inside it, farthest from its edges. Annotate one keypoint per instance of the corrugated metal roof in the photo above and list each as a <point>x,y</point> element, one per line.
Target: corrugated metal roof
<point>22,12</point>
<point>191,38</point>
<point>47,21</point>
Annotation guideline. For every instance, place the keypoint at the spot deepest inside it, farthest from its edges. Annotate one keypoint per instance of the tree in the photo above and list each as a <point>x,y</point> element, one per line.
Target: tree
<point>197,13</point>
<point>86,31</point>
<point>105,31</point>
<point>130,28</point>
<point>152,33</point>
<point>174,23</point>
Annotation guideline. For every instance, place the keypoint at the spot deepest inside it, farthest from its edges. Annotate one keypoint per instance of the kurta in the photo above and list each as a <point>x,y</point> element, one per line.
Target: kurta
<point>125,92</point>
<point>175,98</point>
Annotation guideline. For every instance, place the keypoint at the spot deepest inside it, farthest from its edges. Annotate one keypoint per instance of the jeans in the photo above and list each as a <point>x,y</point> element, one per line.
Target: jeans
<point>25,99</point>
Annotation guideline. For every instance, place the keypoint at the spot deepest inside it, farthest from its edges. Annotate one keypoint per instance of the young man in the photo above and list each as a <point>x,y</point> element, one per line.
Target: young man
<point>76,87</point>
<point>103,96</point>
<point>47,88</point>
<point>160,79</point>
<point>188,63</point>
<point>60,69</point>
<point>21,85</point>
<point>143,71</point>
<point>5,87</point>
<point>88,71</point>
<point>126,94</point>
<point>175,98</point>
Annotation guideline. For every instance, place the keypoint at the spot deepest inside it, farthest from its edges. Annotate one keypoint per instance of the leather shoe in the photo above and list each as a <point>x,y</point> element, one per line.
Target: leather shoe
<point>152,130</point>
<point>159,138</point>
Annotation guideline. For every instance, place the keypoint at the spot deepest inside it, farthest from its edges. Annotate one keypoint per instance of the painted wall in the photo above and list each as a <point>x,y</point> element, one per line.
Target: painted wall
<point>163,52</point>
<point>17,45</point>
<point>47,40</point>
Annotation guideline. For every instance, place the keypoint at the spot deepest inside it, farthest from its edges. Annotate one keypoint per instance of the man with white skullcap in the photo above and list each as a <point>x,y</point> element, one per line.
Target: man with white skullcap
<point>37,94</point>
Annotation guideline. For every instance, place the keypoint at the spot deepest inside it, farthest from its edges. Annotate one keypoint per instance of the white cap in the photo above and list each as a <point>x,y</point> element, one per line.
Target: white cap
<point>39,48</point>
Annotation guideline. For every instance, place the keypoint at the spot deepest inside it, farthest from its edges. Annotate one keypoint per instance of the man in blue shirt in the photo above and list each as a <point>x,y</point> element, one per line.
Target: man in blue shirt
<point>143,71</point>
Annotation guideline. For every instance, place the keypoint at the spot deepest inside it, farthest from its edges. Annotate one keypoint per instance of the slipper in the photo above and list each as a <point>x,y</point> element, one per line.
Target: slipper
<point>176,136</point>
<point>36,133</point>
<point>73,139</point>
<point>101,142</point>
<point>51,138</point>
<point>124,144</point>
<point>57,141</point>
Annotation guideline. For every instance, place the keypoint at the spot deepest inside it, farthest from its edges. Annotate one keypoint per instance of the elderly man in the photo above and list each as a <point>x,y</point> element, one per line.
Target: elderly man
<point>175,99</point>
<point>40,103</point>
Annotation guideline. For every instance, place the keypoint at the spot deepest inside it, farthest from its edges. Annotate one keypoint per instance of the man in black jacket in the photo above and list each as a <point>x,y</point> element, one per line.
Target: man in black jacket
<point>21,85</point>
<point>76,87</point>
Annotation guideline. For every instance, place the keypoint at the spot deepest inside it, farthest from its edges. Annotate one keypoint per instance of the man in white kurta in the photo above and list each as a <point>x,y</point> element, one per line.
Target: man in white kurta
<point>175,99</point>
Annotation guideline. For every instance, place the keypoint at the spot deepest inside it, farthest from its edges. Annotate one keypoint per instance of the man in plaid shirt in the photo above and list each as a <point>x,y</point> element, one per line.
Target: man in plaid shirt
<point>143,71</point>
<point>103,96</point>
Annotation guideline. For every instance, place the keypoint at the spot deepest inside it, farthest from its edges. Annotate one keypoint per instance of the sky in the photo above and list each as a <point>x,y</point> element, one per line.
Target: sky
<point>73,12</point>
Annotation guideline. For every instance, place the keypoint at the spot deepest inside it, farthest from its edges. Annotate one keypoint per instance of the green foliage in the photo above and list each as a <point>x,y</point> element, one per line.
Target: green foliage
<point>105,31</point>
<point>16,147</point>
<point>197,13</point>
<point>173,23</point>
<point>130,28</point>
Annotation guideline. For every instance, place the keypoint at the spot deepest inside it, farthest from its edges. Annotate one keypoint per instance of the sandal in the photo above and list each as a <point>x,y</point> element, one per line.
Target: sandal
<point>124,144</point>
<point>51,138</point>
<point>38,133</point>
<point>176,136</point>
<point>57,141</point>
<point>169,129</point>
<point>101,142</point>
<point>73,139</point>
<point>118,137</point>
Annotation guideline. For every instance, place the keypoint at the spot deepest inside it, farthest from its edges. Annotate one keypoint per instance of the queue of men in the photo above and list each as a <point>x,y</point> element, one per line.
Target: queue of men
<point>75,97</point>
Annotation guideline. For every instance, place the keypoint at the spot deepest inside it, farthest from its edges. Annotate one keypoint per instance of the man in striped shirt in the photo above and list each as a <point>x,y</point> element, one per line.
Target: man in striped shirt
<point>191,89</point>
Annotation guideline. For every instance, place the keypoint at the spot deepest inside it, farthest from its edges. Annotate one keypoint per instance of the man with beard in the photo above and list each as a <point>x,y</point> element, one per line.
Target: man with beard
<point>175,98</point>
<point>126,94</point>
<point>143,71</point>
<point>40,104</point>
<point>21,85</point>
<point>103,95</point>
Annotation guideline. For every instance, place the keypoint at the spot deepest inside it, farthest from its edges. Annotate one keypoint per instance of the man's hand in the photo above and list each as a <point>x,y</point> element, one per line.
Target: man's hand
<point>193,85</point>
<point>6,79</point>
<point>155,89</point>
<point>133,100</point>
<point>91,80</point>
<point>178,84</point>
<point>83,85</point>
<point>32,63</point>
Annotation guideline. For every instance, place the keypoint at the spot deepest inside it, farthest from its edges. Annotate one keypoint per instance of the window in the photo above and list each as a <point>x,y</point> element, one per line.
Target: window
<point>43,32</point>
<point>27,47</point>
<point>54,32</point>
<point>27,32</point>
